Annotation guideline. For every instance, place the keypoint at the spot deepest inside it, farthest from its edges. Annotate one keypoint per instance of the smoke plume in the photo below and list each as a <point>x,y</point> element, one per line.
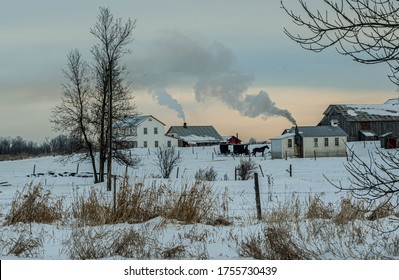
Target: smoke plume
<point>210,67</point>
<point>164,98</point>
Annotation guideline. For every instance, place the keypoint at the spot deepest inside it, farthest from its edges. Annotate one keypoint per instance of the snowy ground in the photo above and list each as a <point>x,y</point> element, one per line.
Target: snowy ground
<point>277,189</point>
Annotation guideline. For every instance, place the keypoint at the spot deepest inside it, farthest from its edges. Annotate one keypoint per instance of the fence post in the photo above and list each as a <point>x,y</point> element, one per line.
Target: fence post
<point>34,170</point>
<point>290,170</point>
<point>261,171</point>
<point>77,169</point>
<point>114,194</point>
<point>314,155</point>
<point>257,197</point>
<point>177,173</point>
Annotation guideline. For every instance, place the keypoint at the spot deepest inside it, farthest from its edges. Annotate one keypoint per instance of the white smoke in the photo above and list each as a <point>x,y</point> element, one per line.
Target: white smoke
<point>210,66</point>
<point>164,98</point>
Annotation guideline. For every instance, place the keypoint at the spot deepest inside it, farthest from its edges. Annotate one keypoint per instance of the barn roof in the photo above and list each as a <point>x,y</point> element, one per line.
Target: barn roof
<point>320,131</point>
<point>366,112</point>
<point>199,133</point>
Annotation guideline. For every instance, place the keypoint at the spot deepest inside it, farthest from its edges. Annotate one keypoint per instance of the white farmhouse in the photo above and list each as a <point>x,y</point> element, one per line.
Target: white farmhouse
<point>310,141</point>
<point>143,132</point>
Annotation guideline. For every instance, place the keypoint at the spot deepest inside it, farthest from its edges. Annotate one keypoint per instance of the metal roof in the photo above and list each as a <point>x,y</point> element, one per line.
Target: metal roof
<point>320,131</point>
<point>366,112</point>
<point>203,131</point>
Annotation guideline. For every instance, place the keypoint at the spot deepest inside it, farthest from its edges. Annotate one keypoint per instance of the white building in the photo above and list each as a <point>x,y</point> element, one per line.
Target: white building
<point>310,141</point>
<point>143,132</point>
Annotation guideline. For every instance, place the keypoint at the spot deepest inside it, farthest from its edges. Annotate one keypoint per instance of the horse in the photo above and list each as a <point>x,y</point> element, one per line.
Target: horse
<point>259,150</point>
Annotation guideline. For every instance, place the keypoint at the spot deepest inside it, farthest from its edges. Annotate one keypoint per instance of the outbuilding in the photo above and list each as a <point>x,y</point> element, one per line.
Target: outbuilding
<point>310,141</point>
<point>364,122</point>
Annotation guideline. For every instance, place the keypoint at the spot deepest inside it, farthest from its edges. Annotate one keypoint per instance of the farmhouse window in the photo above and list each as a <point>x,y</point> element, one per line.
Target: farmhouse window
<point>145,130</point>
<point>156,144</point>
<point>145,144</point>
<point>169,143</point>
<point>316,142</point>
<point>325,142</point>
<point>336,141</point>
<point>155,130</point>
<point>289,143</point>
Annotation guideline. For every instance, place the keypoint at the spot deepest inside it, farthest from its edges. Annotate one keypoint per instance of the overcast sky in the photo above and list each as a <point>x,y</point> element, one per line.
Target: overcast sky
<point>220,60</point>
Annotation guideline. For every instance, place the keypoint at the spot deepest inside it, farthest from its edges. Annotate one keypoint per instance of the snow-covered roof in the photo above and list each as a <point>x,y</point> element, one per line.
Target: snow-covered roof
<point>283,136</point>
<point>200,133</point>
<point>193,139</point>
<point>134,120</point>
<point>314,131</point>
<point>388,111</point>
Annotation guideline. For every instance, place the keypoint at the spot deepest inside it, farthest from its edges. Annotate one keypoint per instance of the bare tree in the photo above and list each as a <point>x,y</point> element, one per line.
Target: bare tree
<point>167,159</point>
<point>374,180</point>
<point>95,97</point>
<point>365,30</point>
<point>72,115</point>
<point>112,94</point>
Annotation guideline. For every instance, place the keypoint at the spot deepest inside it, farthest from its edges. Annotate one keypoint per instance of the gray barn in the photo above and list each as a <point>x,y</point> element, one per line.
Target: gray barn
<point>364,121</point>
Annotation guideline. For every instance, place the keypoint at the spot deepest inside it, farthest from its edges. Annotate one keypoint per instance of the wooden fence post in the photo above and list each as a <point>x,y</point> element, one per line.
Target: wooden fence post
<point>34,170</point>
<point>261,171</point>
<point>290,170</point>
<point>177,173</point>
<point>114,194</point>
<point>257,197</point>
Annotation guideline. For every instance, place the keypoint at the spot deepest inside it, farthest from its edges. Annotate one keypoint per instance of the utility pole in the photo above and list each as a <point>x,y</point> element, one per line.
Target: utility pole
<point>109,163</point>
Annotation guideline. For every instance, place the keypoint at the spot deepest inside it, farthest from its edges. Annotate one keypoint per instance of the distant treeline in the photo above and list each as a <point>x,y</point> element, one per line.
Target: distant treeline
<point>19,147</point>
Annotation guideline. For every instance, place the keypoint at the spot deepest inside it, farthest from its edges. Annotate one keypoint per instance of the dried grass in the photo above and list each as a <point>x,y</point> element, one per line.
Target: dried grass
<point>349,211</point>
<point>382,211</point>
<point>33,205</point>
<point>273,243</point>
<point>136,204</point>
<point>25,246</point>
<point>192,204</point>
<point>318,210</point>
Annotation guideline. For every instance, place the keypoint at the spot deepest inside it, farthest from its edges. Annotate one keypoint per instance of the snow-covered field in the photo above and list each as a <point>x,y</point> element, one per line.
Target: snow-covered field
<point>280,194</point>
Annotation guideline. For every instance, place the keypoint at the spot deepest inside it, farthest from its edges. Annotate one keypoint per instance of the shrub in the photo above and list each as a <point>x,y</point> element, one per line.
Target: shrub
<point>246,169</point>
<point>208,174</point>
<point>167,159</point>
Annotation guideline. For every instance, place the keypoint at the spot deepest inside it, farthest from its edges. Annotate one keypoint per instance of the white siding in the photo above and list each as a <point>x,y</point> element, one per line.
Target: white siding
<point>331,150</point>
<point>154,134</point>
<point>280,147</point>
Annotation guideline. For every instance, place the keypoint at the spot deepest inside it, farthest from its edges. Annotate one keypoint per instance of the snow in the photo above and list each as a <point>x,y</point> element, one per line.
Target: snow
<point>193,139</point>
<point>374,109</point>
<point>352,113</point>
<point>277,190</point>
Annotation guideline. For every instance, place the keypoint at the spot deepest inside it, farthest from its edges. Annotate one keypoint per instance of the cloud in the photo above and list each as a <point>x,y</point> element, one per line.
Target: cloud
<point>210,66</point>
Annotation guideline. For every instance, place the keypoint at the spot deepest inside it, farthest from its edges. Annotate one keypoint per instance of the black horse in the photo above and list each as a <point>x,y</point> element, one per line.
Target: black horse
<point>259,150</point>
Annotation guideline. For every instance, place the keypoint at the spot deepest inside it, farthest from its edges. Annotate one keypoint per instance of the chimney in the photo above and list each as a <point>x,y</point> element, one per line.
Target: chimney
<point>185,125</point>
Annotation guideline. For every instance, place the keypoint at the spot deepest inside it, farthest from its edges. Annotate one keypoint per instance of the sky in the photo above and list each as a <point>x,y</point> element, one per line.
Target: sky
<point>225,63</point>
